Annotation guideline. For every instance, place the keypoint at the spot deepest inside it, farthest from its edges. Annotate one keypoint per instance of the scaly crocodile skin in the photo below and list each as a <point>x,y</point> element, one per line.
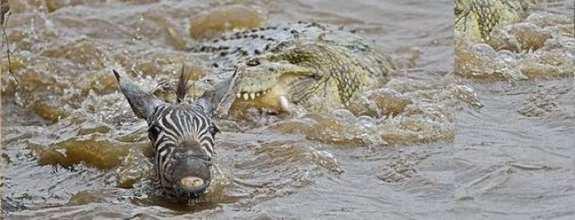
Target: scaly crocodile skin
<point>315,66</point>
<point>478,18</point>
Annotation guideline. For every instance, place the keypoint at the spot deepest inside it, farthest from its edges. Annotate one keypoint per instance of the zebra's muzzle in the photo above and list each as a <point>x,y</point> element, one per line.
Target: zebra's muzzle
<point>192,184</point>
<point>193,174</point>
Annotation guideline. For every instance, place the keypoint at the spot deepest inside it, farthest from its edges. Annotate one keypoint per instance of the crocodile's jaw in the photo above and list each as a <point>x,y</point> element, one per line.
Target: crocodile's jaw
<point>274,98</point>
<point>267,86</point>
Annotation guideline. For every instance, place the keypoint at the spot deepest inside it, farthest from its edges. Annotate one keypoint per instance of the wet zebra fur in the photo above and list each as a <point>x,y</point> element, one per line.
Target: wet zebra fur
<point>183,136</point>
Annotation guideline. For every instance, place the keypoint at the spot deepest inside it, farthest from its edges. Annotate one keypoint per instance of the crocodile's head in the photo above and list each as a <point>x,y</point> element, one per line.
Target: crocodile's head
<point>271,82</point>
<point>317,76</point>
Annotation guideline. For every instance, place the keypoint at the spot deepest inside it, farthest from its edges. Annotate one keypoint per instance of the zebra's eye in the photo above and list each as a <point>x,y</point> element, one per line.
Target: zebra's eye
<point>153,132</point>
<point>214,130</point>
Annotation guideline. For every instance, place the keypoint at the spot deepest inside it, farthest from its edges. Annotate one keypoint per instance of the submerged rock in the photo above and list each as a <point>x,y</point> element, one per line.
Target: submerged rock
<point>48,112</point>
<point>92,151</point>
<point>328,129</point>
<point>519,37</point>
<point>83,52</point>
<point>134,167</point>
<point>540,46</point>
<point>102,83</point>
<point>555,59</point>
<point>225,18</point>
<point>155,24</point>
<point>379,103</point>
<point>86,197</point>
<point>480,62</point>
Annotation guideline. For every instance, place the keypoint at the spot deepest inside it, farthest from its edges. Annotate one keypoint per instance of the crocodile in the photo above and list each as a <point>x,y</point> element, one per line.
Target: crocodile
<point>477,19</point>
<point>318,67</point>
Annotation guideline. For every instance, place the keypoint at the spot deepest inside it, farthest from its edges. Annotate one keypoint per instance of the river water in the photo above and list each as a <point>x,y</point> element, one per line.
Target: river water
<point>441,143</point>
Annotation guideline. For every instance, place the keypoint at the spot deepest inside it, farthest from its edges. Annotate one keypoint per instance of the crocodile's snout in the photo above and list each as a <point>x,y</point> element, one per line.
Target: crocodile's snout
<point>266,84</point>
<point>259,78</point>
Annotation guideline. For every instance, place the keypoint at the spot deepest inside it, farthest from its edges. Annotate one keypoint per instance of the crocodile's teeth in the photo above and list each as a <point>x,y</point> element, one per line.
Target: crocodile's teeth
<point>284,103</point>
<point>239,95</point>
<point>258,94</point>
<point>252,96</point>
<point>246,96</point>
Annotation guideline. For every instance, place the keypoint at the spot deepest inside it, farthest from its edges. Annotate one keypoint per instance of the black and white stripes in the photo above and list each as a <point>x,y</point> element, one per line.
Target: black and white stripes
<point>172,125</point>
<point>183,136</point>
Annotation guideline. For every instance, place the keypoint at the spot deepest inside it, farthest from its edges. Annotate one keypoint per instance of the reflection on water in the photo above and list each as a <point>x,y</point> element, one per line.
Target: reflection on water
<point>492,138</point>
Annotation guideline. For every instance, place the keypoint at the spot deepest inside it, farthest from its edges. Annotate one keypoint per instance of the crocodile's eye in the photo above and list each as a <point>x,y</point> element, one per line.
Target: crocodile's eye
<point>253,62</point>
<point>316,76</point>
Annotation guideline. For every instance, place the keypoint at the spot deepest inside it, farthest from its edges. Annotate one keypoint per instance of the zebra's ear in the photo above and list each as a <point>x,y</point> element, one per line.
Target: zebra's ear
<point>141,102</point>
<point>219,100</point>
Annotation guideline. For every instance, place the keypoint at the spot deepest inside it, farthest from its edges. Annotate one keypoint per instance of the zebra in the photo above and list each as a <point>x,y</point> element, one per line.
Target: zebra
<point>182,134</point>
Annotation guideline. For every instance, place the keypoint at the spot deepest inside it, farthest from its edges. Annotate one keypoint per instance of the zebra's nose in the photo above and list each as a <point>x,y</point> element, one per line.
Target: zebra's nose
<point>193,175</point>
<point>192,183</point>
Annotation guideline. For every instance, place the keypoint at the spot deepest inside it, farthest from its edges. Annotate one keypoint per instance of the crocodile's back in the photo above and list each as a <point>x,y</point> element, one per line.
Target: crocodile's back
<point>232,48</point>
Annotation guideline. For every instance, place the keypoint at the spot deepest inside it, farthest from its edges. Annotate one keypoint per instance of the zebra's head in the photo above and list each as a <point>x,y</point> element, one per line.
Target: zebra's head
<point>182,135</point>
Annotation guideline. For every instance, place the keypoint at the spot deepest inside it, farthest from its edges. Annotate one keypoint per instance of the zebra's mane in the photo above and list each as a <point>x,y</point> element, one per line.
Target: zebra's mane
<point>182,87</point>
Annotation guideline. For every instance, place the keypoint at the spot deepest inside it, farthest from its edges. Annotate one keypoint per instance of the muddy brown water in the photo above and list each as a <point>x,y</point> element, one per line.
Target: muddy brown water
<point>445,146</point>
